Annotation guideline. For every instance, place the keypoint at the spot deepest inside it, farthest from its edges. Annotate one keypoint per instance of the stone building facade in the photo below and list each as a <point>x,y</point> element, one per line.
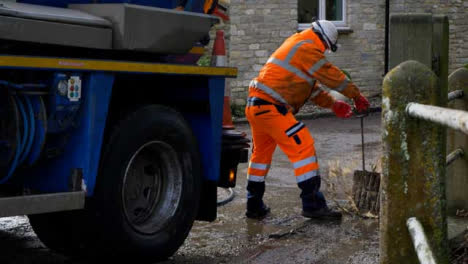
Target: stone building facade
<point>258,27</point>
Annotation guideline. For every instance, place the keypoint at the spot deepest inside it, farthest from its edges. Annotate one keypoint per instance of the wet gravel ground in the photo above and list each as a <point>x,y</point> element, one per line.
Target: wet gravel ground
<point>283,237</point>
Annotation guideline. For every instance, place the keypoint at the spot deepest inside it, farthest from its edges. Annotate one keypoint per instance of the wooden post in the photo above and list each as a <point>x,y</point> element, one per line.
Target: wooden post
<point>440,55</point>
<point>410,39</point>
<point>424,38</point>
<point>457,180</point>
<point>413,166</point>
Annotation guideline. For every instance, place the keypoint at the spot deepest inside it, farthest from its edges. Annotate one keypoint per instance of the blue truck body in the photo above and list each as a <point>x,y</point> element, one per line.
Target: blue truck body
<point>199,86</point>
<point>67,156</point>
<point>91,120</point>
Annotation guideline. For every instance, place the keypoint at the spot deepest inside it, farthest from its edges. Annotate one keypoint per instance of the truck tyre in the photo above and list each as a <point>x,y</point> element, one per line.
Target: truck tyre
<point>146,197</point>
<point>148,189</point>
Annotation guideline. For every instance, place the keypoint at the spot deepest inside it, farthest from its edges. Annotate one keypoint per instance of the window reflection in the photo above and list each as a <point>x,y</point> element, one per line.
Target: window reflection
<point>334,10</point>
<point>307,10</point>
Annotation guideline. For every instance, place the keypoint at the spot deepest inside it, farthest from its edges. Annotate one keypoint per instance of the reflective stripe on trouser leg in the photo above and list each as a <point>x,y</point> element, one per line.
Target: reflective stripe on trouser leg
<point>306,169</point>
<point>304,160</point>
<point>292,137</point>
<point>295,141</point>
<point>257,171</point>
<point>263,147</point>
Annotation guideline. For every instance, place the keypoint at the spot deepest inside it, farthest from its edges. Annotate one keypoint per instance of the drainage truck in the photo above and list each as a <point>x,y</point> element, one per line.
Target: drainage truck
<point>111,138</point>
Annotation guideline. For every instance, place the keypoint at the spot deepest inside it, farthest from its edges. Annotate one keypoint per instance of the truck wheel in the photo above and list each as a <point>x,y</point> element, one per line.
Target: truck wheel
<point>148,189</point>
<point>146,197</point>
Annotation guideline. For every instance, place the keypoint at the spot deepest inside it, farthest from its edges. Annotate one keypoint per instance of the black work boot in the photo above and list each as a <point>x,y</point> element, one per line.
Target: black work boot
<point>322,213</point>
<point>255,207</point>
<point>258,213</point>
<point>314,204</point>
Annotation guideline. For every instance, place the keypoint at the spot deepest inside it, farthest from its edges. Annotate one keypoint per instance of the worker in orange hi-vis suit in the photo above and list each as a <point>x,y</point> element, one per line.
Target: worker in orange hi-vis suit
<point>289,79</point>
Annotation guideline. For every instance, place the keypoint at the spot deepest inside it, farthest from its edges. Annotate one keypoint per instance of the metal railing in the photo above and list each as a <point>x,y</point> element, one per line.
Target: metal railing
<point>454,119</point>
<point>421,245</point>
<point>414,163</point>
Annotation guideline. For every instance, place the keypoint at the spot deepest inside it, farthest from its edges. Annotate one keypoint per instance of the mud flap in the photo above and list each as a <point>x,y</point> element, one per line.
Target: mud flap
<point>207,211</point>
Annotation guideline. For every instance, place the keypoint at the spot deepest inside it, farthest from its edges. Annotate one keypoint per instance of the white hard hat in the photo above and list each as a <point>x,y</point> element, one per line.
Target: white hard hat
<point>328,31</point>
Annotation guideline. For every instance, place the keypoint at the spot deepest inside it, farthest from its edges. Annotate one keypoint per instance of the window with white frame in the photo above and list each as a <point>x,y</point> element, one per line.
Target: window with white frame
<point>333,10</point>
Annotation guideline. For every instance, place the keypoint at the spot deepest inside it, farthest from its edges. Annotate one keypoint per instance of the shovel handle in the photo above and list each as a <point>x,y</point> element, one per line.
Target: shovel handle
<point>361,115</point>
<point>362,139</point>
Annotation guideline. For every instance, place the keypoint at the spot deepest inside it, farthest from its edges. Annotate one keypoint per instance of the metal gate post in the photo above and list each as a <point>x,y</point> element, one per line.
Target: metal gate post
<point>457,180</point>
<point>413,166</point>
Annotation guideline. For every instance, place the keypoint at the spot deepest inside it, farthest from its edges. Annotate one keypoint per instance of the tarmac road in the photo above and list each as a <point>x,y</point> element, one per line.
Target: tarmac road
<point>284,236</point>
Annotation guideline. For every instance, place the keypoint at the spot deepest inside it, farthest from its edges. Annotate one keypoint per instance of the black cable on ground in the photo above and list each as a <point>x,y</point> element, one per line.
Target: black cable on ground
<point>231,196</point>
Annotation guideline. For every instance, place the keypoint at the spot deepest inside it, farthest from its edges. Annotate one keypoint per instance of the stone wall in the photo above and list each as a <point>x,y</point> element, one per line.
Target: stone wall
<point>258,27</point>
<point>362,51</point>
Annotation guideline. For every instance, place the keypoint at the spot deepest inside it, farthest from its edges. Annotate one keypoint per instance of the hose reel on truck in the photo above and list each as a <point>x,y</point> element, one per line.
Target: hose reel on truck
<point>22,127</point>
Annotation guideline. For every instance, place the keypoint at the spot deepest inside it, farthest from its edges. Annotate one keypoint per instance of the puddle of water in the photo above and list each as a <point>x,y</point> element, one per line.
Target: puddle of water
<point>321,242</point>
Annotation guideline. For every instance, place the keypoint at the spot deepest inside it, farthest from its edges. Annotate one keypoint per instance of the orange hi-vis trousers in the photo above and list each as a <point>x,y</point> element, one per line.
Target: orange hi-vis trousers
<point>269,128</point>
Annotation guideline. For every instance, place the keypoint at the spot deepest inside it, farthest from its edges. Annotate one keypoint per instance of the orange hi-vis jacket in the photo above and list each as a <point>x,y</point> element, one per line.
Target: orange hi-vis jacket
<point>290,74</point>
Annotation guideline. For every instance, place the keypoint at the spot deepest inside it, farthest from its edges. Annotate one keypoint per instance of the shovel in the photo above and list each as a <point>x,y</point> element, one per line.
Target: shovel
<point>366,184</point>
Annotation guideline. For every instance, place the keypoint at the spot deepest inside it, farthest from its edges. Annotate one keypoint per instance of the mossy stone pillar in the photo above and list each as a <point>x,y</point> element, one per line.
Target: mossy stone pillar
<point>413,166</point>
<point>457,179</point>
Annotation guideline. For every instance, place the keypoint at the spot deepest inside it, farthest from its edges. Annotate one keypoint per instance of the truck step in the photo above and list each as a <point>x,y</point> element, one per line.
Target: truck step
<point>41,203</point>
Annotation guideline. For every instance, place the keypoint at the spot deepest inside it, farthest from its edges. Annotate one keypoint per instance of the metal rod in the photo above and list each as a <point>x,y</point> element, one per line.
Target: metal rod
<point>421,246</point>
<point>455,119</point>
<point>362,139</point>
<point>456,154</point>
<point>457,94</point>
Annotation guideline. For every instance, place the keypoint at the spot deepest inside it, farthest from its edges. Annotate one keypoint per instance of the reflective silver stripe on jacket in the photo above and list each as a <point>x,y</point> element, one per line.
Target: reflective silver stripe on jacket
<point>287,66</point>
<point>259,166</point>
<point>292,69</point>
<point>308,175</point>
<point>304,162</point>
<point>342,85</point>
<point>317,66</point>
<point>286,63</point>
<point>256,178</point>
<point>293,51</point>
<point>269,91</point>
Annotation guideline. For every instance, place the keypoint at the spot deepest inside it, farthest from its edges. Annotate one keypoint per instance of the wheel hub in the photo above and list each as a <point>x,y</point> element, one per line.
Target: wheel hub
<point>152,187</point>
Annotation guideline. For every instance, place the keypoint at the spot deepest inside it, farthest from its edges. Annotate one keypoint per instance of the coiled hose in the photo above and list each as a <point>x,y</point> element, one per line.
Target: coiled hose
<point>231,196</point>
<point>25,138</point>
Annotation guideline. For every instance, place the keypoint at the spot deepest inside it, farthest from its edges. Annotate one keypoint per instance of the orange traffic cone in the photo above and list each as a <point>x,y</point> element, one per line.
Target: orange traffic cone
<point>218,59</point>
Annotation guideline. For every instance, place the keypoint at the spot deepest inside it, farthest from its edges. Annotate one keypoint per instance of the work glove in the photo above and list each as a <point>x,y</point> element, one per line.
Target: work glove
<point>342,109</point>
<point>361,103</point>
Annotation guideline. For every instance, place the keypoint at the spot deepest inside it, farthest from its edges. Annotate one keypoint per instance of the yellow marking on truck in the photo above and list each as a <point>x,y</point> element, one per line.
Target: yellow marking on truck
<point>113,66</point>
